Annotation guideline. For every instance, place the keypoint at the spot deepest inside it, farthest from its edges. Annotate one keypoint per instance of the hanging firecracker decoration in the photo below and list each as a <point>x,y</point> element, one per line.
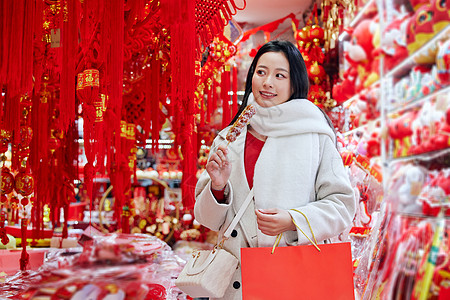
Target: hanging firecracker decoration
<point>88,86</point>
<point>4,239</point>
<point>24,257</point>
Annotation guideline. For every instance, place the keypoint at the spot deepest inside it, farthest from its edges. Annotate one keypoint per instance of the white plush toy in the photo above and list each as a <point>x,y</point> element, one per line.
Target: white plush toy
<point>414,179</point>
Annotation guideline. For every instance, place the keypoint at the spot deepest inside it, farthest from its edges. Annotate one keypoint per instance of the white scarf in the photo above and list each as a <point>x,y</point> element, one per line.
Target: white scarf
<point>287,165</point>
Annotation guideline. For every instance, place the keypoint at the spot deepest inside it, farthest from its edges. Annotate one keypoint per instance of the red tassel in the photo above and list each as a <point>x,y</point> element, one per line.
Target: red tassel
<point>234,105</point>
<point>209,103</point>
<point>16,54</point>
<point>126,219</point>
<point>24,257</point>
<point>4,239</point>
<point>214,97</point>
<point>181,15</point>
<point>156,127</point>
<point>226,83</point>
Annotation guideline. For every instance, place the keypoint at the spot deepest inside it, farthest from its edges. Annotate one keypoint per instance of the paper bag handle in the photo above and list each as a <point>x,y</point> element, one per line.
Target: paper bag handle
<point>278,239</point>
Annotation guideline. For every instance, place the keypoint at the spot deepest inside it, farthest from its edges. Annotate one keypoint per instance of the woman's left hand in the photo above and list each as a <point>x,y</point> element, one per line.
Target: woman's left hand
<point>273,221</point>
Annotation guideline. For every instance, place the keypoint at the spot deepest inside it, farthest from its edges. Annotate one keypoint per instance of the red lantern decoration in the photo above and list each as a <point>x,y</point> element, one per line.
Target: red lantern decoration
<point>88,84</point>
<point>316,34</point>
<point>100,108</point>
<point>302,37</point>
<point>316,73</point>
<point>24,183</point>
<point>26,134</point>
<point>7,184</point>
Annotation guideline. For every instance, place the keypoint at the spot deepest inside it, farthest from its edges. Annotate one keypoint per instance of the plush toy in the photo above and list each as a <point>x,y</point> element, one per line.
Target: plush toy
<point>345,89</point>
<point>408,192</point>
<point>441,140</point>
<point>400,130</point>
<point>416,78</point>
<point>425,128</point>
<point>358,113</point>
<point>429,83</point>
<point>394,42</point>
<point>371,97</point>
<point>443,64</point>
<point>358,52</point>
<point>441,14</point>
<point>419,30</point>
<point>433,196</point>
<point>427,21</point>
<point>400,89</point>
<point>416,4</point>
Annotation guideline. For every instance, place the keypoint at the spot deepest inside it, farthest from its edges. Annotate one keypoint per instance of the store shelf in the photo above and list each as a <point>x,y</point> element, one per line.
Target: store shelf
<point>419,216</point>
<point>405,66</point>
<point>418,102</point>
<point>438,155</point>
<point>356,19</point>
<point>362,127</point>
<point>358,95</point>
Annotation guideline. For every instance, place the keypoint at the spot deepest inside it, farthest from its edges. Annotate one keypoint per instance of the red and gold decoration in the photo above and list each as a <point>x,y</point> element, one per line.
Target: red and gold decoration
<point>310,41</point>
<point>125,70</point>
<point>211,16</point>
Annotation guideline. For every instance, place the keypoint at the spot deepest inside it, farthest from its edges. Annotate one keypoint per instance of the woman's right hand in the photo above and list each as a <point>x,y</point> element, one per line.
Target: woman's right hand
<point>219,168</point>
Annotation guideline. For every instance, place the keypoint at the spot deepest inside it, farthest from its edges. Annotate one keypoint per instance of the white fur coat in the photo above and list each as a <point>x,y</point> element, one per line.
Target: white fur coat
<point>298,167</point>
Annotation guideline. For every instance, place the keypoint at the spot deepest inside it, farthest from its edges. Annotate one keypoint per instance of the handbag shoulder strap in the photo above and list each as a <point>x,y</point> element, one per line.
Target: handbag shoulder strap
<point>239,214</point>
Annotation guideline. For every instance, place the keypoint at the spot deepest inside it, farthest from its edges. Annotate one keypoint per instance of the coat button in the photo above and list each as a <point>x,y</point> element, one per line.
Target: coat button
<point>236,284</point>
<point>234,233</point>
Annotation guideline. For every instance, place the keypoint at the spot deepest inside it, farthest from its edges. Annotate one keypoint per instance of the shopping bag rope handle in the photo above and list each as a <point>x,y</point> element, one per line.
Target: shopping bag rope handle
<point>278,239</point>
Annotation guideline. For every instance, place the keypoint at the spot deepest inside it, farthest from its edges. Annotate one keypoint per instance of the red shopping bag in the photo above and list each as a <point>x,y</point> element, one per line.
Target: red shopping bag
<point>298,272</point>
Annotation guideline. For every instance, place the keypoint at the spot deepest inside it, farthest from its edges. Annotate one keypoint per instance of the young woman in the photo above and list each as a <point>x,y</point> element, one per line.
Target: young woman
<point>287,154</point>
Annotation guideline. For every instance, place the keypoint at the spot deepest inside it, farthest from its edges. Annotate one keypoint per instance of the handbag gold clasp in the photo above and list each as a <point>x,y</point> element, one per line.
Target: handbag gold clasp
<point>219,245</point>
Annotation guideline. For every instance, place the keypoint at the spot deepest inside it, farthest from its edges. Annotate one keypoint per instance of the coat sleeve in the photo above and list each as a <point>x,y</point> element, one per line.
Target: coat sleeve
<point>335,205</point>
<point>207,210</point>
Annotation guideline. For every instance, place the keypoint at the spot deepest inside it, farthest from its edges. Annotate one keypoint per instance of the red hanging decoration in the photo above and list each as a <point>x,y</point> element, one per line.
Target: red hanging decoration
<point>126,219</point>
<point>24,257</point>
<point>24,183</point>
<point>3,236</point>
<point>69,42</point>
<point>234,105</point>
<point>209,102</point>
<point>88,85</point>
<point>225,88</point>
<point>211,16</point>
<point>7,181</point>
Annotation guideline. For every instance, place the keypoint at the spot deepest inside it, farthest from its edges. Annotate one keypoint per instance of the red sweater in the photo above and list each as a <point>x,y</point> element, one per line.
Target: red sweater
<point>252,150</point>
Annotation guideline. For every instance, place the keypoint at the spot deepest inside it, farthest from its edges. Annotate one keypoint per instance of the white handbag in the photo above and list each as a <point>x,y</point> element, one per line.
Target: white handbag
<point>208,272</point>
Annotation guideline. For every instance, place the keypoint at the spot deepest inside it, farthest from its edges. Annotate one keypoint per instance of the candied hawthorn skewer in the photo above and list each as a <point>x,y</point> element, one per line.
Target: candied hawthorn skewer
<point>238,126</point>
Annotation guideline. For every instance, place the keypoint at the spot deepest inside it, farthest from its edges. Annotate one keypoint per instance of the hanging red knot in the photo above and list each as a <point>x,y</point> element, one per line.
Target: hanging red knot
<point>24,257</point>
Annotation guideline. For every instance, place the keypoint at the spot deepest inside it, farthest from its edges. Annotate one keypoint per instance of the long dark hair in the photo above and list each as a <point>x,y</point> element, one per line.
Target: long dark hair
<point>297,68</point>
